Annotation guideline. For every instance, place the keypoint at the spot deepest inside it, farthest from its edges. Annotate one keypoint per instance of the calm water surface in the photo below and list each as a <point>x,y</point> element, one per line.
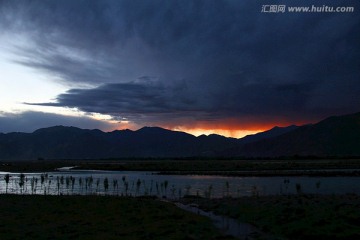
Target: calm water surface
<point>173,186</point>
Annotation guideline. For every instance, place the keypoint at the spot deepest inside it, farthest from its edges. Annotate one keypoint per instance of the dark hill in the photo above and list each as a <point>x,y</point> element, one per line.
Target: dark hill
<point>274,132</point>
<point>334,136</point>
<point>61,142</point>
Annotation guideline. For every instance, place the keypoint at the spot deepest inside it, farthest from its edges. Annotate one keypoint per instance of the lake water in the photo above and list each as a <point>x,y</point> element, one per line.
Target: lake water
<point>173,186</point>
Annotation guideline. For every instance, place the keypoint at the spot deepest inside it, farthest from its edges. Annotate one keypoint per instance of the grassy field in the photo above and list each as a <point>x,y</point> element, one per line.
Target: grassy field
<point>293,216</point>
<point>92,217</point>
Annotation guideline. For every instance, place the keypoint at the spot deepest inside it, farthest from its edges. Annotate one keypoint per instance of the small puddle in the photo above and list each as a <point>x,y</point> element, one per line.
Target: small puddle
<point>229,226</point>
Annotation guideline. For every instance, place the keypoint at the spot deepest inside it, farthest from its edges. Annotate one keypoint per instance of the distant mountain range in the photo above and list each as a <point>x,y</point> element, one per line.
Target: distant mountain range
<point>334,136</point>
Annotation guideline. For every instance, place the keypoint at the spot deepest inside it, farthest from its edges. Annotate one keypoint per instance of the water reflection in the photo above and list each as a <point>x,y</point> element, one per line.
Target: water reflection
<point>172,186</point>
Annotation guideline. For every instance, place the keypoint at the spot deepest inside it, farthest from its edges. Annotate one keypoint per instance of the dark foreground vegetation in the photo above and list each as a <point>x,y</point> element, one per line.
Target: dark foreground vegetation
<point>105,217</point>
<point>94,217</point>
<point>293,216</point>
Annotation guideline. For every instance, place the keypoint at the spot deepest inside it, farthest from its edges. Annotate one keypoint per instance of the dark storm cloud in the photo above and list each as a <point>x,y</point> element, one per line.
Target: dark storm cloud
<point>136,100</point>
<point>208,59</point>
<point>31,121</point>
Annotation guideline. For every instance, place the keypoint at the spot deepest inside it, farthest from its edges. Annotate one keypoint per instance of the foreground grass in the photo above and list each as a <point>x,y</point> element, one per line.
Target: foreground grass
<point>294,216</point>
<point>92,217</point>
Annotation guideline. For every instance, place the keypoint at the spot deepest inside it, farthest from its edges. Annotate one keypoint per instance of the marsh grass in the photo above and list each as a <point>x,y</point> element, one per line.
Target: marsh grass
<point>95,217</point>
<point>293,216</point>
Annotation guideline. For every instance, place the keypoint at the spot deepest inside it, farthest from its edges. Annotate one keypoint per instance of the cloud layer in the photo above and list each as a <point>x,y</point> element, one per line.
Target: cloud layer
<point>31,121</point>
<point>187,62</point>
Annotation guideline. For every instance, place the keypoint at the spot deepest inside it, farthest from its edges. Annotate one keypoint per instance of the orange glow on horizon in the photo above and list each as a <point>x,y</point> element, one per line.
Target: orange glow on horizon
<point>229,127</point>
<point>222,132</point>
<point>234,128</point>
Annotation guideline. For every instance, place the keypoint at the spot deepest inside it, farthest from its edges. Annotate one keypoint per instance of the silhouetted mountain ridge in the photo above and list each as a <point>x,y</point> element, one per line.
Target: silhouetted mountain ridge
<point>334,136</point>
<point>274,132</point>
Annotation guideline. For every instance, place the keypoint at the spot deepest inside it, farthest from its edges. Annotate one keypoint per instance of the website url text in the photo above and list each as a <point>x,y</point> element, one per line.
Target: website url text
<point>312,9</point>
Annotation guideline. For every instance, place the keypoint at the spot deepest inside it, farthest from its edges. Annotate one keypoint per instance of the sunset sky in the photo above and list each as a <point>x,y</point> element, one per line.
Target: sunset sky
<point>202,67</point>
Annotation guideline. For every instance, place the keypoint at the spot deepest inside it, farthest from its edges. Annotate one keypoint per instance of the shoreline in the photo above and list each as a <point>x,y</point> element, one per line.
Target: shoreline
<point>233,168</point>
<point>270,173</point>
